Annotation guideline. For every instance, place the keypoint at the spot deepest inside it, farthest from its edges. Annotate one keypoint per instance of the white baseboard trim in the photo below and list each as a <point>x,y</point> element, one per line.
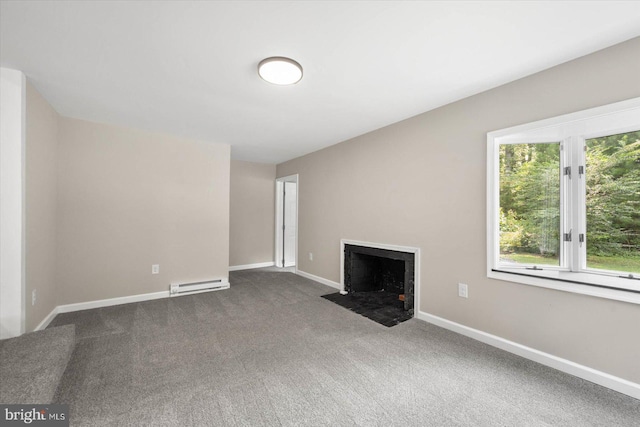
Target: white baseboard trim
<point>598,377</point>
<point>250,266</point>
<point>319,279</point>
<point>45,322</point>
<point>67,308</point>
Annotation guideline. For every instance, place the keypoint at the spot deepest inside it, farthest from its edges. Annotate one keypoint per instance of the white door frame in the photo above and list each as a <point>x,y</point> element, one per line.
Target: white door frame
<point>12,207</point>
<point>278,223</point>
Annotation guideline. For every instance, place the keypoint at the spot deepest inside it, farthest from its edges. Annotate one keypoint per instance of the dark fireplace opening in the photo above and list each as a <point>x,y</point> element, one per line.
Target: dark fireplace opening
<point>368,270</point>
<point>371,273</point>
<point>379,284</point>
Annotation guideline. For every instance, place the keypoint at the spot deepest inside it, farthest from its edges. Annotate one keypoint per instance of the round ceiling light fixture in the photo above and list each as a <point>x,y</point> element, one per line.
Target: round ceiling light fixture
<point>280,70</point>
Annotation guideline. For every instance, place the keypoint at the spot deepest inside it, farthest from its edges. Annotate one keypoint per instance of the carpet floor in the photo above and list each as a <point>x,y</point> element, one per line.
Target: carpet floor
<point>270,351</point>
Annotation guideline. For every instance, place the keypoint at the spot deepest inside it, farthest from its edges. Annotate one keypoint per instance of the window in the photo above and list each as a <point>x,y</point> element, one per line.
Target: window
<point>564,202</point>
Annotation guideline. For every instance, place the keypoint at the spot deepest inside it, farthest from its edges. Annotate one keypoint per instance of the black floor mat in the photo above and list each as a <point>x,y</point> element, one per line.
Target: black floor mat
<point>382,307</point>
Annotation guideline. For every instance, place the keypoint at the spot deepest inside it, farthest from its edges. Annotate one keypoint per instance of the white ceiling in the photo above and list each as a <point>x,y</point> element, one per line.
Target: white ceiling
<point>189,68</point>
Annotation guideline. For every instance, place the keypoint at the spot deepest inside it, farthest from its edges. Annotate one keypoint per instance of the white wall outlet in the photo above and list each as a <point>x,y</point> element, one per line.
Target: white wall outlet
<point>463,290</point>
<point>33,297</point>
<point>310,256</point>
<point>155,269</point>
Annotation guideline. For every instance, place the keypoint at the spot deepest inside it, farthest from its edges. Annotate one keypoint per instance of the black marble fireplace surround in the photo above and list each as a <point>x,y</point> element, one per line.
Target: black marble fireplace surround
<point>374,279</point>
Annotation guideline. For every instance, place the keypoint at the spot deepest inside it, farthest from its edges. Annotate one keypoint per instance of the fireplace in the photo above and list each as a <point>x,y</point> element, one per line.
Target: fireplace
<point>385,274</point>
<point>378,281</point>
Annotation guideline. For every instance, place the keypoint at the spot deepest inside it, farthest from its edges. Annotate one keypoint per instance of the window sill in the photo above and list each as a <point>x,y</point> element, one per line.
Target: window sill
<point>557,283</point>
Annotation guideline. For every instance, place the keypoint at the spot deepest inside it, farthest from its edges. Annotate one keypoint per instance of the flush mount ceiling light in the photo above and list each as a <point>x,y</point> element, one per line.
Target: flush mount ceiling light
<point>280,70</point>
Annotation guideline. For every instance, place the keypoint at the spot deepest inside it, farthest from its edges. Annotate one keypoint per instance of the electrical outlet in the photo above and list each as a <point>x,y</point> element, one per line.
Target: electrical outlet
<point>155,269</point>
<point>463,290</point>
<point>310,256</point>
<point>33,297</point>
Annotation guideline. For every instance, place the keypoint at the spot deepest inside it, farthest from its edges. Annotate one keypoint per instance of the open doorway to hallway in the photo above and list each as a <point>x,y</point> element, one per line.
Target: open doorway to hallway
<point>286,243</point>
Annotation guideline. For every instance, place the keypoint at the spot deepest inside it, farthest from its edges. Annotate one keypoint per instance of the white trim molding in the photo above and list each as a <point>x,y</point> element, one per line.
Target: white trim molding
<point>407,249</point>
<point>319,279</point>
<point>68,308</point>
<point>572,273</point>
<point>598,377</point>
<point>45,322</point>
<point>251,266</point>
<point>278,243</point>
<point>88,305</point>
<point>12,207</point>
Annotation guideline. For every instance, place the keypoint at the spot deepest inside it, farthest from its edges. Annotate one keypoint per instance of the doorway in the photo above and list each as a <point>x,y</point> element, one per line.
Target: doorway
<point>286,221</point>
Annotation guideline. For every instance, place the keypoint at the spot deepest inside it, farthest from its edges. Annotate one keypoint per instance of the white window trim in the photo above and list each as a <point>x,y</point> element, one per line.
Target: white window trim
<point>609,119</point>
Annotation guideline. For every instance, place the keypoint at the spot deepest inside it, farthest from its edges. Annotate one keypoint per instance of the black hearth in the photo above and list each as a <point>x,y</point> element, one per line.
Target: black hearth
<point>379,284</point>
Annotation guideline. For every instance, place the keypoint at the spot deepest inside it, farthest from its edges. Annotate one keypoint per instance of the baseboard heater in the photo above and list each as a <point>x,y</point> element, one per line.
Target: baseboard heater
<point>178,289</point>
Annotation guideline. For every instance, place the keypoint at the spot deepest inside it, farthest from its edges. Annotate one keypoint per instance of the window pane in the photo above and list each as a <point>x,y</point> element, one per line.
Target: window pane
<point>530,203</point>
<point>613,202</point>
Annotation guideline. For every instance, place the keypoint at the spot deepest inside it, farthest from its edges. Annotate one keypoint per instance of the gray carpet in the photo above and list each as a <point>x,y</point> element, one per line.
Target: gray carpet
<point>269,352</point>
<point>32,365</point>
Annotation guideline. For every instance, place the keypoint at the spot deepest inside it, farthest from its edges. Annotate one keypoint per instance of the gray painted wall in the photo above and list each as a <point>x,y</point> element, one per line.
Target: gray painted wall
<point>41,193</point>
<point>421,182</point>
<point>252,218</point>
<point>129,199</point>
